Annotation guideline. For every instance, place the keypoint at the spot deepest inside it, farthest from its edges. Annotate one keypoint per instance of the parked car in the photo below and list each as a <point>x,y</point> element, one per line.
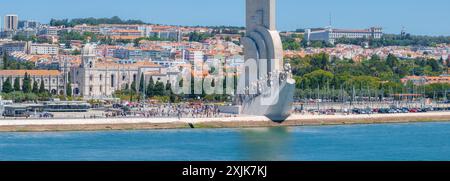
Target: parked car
<point>46,115</point>
<point>413,110</point>
<point>383,111</point>
<point>405,110</point>
<point>356,111</point>
<point>392,111</point>
<point>422,110</point>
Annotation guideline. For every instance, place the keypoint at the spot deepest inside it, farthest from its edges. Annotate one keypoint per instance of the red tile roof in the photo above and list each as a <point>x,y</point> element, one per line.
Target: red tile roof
<point>30,72</point>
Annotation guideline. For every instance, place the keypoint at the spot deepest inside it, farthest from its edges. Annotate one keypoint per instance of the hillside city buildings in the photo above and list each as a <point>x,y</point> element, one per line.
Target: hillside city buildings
<point>43,49</point>
<point>95,69</point>
<point>358,53</point>
<point>99,69</point>
<point>100,79</point>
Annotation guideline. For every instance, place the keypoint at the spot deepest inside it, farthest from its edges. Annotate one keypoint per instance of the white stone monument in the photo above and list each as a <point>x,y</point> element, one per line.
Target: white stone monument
<point>266,85</point>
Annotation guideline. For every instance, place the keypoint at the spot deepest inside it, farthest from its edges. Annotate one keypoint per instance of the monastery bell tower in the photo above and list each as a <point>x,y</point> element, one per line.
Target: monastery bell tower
<point>88,56</point>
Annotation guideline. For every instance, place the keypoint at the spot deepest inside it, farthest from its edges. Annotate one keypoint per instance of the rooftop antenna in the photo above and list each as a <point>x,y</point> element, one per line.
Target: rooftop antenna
<point>179,37</point>
<point>330,20</point>
<point>403,32</point>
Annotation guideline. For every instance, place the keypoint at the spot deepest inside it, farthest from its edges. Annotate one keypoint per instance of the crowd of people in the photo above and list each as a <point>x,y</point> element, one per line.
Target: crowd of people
<point>182,111</point>
<point>185,110</point>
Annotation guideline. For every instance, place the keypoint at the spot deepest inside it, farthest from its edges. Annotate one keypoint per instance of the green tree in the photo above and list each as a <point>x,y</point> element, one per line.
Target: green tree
<point>437,90</point>
<point>92,21</point>
<point>291,44</point>
<point>392,61</point>
<point>5,61</point>
<point>159,89</point>
<point>169,92</point>
<point>318,78</point>
<point>447,62</point>
<point>7,87</point>
<point>137,41</point>
<point>42,87</point>
<point>141,84</point>
<point>364,82</point>
<point>436,66</point>
<point>133,86</point>
<point>320,61</point>
<point>21,97</point>
<point>150,88</point>
<point>198,37</point>
<point>26,84</point>
<point>17,84</point>
<point>69,90</point>
<point>35,87</point>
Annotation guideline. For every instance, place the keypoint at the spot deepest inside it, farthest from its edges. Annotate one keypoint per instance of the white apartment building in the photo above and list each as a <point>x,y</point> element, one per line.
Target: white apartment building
<point>44,49</point>
<point>50,31</point>
<point>194,56</point>
<point>29,24</point>
<point>330,35</point>
<point>12,46</point>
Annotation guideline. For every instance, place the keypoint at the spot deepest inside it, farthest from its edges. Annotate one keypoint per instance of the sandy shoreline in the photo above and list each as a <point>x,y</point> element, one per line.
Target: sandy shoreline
<point>41,125</point>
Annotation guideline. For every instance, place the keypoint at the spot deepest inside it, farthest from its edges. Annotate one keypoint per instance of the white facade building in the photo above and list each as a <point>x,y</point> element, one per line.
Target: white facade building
<point>12,46</point>
<point>44,49</point>
<point>50,31</point>
<point>99,79</point>
<point>54,80</point>
<point>330,35</point>
<point>194,56</point>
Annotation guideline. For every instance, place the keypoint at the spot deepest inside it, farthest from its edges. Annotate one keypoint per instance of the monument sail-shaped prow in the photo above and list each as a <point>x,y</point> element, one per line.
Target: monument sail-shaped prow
<point>271,93</point>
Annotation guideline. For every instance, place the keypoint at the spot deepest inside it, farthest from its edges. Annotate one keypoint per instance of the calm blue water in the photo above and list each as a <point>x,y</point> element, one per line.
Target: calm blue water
<point>415,142</point>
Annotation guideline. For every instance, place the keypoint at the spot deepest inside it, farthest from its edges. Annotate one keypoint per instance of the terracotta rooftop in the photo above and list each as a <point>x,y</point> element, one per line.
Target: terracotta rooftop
<point>30,72</point>
<point>133,65</point>
<point>126,31</point>
<point>153,73</point>
<point>125,37</point>
<point>35,58</point>
<point>350,31</point>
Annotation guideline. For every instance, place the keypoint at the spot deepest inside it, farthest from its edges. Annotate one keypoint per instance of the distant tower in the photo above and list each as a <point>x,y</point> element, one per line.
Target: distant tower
<point>11,22</point>
<point>330,21</point>
<point>88,56</point>
<point>180,36</point>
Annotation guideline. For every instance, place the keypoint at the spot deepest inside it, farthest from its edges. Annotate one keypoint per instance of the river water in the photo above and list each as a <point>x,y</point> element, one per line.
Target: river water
<point>382,142</point>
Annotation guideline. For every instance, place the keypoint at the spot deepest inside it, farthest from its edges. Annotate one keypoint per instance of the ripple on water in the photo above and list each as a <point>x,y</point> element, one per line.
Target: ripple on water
<point>411,141</point>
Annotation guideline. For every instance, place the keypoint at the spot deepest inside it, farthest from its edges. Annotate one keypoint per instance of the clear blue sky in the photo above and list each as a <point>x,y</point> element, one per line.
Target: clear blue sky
<point>426,17</point>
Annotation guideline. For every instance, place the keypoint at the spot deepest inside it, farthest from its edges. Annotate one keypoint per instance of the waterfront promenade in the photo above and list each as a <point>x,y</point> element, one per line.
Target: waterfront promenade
<point>92,124</point>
